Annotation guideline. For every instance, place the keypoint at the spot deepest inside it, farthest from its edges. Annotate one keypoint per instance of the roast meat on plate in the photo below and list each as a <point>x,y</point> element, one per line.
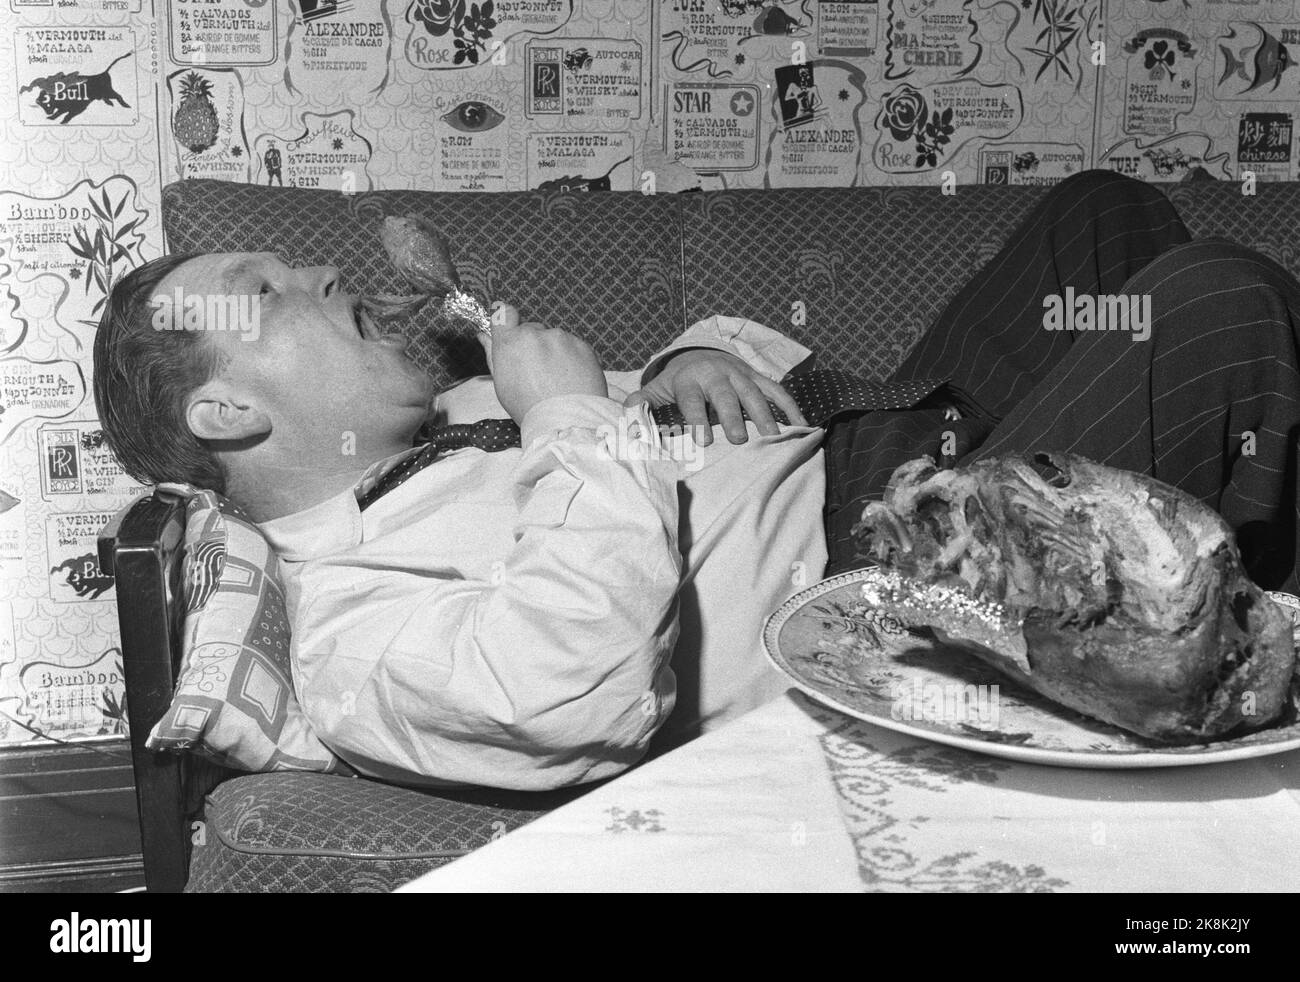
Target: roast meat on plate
<point>1106,591</point>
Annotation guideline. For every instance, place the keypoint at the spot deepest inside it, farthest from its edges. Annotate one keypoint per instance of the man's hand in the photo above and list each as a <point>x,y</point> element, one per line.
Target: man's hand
<point>701,377</point>
<point>531,362</point>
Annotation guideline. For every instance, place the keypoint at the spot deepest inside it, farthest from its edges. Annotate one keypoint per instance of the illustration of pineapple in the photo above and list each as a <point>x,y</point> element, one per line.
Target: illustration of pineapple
<point>194,124</point>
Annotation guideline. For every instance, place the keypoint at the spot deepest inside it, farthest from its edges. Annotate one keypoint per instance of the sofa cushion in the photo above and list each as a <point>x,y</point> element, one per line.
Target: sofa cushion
<point>1265,221</point>
<point>874,267</point>
<point>606,266</point>
<point>298,833</point>
<point>234,701</point>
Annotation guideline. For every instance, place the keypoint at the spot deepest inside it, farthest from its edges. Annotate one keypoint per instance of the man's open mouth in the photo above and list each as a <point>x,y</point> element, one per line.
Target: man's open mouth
<point>369,327</point>
<point>363,322</point>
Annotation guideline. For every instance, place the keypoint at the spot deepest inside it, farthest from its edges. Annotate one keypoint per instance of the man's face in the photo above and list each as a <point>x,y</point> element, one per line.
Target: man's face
<point>305,360</point>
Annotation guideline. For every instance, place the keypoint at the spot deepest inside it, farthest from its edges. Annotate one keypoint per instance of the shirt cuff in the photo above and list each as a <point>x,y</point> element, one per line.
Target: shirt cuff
<point>551,417</point>
<point>768,352</point>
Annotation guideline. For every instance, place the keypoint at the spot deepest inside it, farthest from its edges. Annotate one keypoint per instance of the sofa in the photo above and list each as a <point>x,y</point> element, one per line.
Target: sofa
<point>854,274</point>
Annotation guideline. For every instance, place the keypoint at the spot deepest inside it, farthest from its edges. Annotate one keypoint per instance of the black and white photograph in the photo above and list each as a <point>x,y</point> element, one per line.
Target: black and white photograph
<point>669,447</point>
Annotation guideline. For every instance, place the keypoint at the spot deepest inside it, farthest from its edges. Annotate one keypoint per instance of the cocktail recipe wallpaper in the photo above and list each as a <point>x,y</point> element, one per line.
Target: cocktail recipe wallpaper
<point>103,102</point>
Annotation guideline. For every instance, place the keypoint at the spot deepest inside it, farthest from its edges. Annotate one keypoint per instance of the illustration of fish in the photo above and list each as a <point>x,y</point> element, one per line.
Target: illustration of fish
<point>1268,60</point>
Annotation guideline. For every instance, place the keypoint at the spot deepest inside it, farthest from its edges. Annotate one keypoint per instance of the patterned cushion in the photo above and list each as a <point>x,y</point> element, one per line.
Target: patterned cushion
<point>322,833</point>
<point>606,266</point>
<point>234,701</point>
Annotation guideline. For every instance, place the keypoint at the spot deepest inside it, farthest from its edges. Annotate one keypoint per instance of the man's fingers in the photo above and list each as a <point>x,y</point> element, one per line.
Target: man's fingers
<point>654,392</point>
<point>695,409</point>
<point>503,316</point>
<point>726,404</point>
<point>784,401</point>
<point>755,402</point>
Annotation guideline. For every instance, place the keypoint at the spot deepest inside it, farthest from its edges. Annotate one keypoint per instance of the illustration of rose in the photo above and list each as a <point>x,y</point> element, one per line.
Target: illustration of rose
<point>436,15</point>
<point>903,110</point>
<point>472,29</point>
<point>907,115</point>
<point>933,136</point>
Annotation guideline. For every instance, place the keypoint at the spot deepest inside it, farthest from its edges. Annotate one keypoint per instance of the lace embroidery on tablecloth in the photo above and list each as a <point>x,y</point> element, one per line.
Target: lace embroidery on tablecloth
<point>866,779</point>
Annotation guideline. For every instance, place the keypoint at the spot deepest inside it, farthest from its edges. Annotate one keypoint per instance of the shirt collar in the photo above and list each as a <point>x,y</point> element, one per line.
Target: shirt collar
<point>375,472</point>
<point>331,525</point>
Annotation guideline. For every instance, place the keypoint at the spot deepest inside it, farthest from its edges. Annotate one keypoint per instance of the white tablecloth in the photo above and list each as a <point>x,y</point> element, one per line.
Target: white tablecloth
<point>794,796</point>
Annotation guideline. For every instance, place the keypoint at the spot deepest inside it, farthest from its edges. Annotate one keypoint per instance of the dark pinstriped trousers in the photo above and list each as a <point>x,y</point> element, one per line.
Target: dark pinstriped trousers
<point>1210,402</point>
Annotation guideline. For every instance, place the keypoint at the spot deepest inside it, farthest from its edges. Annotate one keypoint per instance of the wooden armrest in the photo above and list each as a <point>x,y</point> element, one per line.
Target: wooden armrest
<point>141,548</point>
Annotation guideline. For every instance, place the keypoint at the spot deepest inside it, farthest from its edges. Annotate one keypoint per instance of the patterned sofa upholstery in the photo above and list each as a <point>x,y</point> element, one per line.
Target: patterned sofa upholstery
<point>299,832</point>
<point>870,267</point>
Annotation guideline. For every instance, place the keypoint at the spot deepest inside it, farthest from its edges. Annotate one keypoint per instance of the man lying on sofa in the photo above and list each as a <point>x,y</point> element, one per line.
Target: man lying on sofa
<point>498,618</point>
<point>507,618</point>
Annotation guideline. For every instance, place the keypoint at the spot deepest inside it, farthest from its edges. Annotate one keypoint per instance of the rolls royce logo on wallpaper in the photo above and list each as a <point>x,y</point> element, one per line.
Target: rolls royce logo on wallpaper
<point>69,94</point>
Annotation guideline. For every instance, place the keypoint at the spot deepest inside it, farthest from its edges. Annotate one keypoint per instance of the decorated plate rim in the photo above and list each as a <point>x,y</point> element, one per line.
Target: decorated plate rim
<point>1222,751</point>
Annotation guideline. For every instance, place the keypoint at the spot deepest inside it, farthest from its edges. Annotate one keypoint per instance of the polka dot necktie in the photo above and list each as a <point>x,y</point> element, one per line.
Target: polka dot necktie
<point>486,434</point>
<point>820,396</point>
<point>825,393</point>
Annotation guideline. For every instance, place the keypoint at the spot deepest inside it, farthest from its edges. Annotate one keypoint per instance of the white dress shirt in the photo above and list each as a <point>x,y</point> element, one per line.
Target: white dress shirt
<point>531,618</point>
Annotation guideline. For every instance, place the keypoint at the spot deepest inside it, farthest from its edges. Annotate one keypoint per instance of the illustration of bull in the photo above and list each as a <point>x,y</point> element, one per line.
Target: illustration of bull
<point>84,576</point>
<point>69,94</point>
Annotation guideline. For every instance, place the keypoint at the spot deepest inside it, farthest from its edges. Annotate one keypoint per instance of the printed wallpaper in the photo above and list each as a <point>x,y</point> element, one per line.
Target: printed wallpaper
<point>102,102</point>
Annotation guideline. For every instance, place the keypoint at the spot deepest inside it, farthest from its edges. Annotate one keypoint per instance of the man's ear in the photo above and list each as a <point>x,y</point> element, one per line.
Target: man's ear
<point>217,411</point>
